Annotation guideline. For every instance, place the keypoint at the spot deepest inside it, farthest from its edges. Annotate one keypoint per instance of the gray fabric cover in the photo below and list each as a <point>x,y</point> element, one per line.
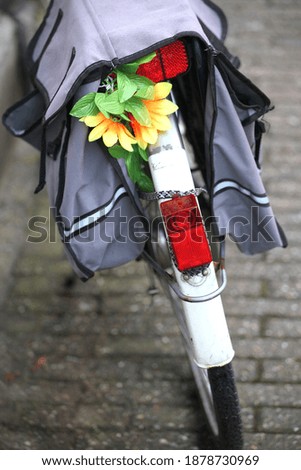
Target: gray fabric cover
<point>239,200</point>
<point>77,38</point>
<point>78,43</point>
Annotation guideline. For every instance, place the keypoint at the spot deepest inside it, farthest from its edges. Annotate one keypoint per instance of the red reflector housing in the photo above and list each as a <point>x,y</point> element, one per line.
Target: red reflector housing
<point>170,61</point>
<point>186,232</point>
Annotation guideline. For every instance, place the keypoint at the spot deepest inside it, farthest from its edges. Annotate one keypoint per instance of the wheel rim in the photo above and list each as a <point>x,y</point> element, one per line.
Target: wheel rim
<point>203,386</point>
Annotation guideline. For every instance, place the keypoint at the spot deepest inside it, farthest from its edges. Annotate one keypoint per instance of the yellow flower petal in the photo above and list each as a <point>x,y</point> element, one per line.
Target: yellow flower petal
<point>149,134</point>
<point>125,138</point>
<point>162,90</point>
<point>164,107</point>
<point>98,131</point>
<point>142,144</point>
<point>110,137</point>
<point>160,122</point>
<point>137,129</point>
<point>93,121</point>
<point>128,133</point>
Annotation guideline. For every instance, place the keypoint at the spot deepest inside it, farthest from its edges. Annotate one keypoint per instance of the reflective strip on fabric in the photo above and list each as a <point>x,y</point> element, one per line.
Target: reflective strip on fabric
<point>94,217</point>
<point>228,184</point>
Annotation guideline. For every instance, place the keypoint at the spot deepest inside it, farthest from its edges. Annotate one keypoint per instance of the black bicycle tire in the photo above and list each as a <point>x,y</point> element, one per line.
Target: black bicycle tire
<point>227,407</point>
<point>223,401</point>
<point>220,405</point>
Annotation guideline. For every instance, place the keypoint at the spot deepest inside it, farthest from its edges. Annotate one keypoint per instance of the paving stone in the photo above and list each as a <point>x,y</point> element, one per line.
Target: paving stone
<point>103,417</point>
<point>247,327</point>
<point>160,418</point>
<point>281,328</point>
<point>280,420</point>
<point>288,370</point>
<point>35,438</point>
<point>267,348</point>
<point>246,370</point>
<point>262,307</point>
<point>275,394</point>
<point>152,440</point>
<point>272,441</point>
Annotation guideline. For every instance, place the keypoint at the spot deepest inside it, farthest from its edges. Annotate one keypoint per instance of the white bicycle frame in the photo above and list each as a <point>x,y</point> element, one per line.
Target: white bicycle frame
<point>207,330</point>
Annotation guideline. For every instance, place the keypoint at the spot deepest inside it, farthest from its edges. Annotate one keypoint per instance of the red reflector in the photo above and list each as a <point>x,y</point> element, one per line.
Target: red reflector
<point>186,232</point>
<point>169,62</point>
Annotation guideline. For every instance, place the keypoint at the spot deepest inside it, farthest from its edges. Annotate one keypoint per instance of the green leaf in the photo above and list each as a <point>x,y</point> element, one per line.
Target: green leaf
<point>146,92</point>
<point>145,183</point>
<point>118,152</point>
<point>111,103</point>
<point>143,154</point>
<point>146,59</point>
<point>99,99</point>
<point>135,171</point>
<point>128,68</point>
<point>141,81</point>
<point>138,109</point>
<point>85,106</point>
<point>126,87</point>
<point>133,166</point>
<point>125,117</point>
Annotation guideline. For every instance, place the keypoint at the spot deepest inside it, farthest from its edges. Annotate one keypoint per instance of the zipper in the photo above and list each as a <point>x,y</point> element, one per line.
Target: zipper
<point>211,54</point>
<point>62,167</point>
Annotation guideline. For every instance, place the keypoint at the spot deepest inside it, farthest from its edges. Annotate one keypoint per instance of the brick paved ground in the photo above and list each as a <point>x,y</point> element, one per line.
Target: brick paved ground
<point>99,366</point>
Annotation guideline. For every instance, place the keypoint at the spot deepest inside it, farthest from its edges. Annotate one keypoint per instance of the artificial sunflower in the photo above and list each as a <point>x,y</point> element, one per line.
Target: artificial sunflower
<point>110,130</point>
<point>131,104</point>
<point>143,134</point>
<point>159,108</point>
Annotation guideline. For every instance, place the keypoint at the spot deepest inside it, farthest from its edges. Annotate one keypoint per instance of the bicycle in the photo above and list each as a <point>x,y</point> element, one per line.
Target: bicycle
<point>175,213</point>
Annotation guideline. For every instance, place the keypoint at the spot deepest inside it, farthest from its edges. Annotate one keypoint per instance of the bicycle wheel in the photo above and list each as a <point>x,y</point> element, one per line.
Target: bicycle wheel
<point>217,393</point>
<point>219,399</point>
